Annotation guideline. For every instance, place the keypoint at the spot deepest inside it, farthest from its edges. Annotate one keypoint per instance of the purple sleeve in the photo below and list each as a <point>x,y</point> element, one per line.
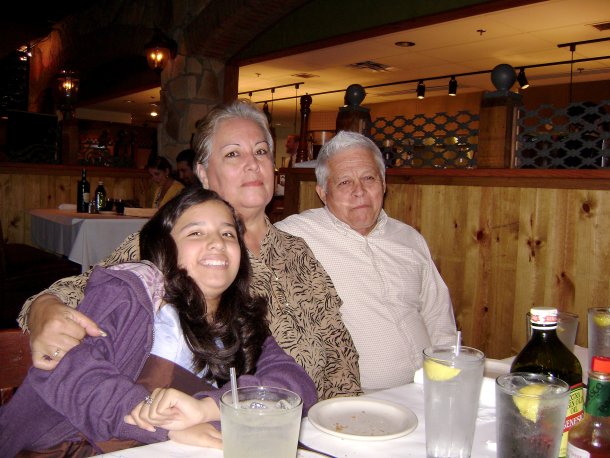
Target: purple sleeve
<point>274,368</point>
<point>94,386</point>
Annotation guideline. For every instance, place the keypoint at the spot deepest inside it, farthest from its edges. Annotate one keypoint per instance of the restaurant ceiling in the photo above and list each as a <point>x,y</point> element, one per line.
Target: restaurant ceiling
<point>520,36</point>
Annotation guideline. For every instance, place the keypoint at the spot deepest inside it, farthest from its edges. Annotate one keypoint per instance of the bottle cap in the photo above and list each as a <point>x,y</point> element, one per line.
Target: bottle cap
<point>543,317</point>
<point>600,364</point>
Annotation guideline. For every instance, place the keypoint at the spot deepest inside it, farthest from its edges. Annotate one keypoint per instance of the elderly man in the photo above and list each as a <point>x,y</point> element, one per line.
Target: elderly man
<point>395,302</point>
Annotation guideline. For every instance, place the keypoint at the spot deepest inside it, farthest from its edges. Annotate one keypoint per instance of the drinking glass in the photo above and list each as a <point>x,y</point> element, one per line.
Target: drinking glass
<point>264,423</point>
<point>452,384</point>
<point>599,332</point>
<point>530,414</point>
<point>567,328</point>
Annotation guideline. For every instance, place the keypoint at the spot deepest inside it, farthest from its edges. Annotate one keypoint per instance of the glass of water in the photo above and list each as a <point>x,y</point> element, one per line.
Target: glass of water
<point>264,423</point>
<point>452,385</point>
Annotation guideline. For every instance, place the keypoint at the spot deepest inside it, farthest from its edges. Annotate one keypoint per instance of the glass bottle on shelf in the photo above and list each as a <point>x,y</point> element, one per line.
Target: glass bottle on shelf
<point>591,437</point>
<point>100,196</point>
<point>83,194</point>
<point>546,354</point>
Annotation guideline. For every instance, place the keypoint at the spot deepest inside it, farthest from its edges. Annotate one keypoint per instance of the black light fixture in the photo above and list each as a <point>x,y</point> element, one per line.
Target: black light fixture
<point>67,83</point>
<point>452,86</point>
<point>421,89</point>
<point>522,79</point>
<point>160,50</point>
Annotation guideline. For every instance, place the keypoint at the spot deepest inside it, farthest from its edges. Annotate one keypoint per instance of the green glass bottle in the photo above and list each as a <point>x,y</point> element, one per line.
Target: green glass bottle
<point>546,354</point>
<point>591,437</point>
<point>82,194</point>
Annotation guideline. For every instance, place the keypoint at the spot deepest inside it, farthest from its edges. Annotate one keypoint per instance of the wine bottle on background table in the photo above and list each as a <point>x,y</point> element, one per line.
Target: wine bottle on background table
<point>100,196</point>
<point>591,437</point>
<point>83,195</point>
<point>546,354</point>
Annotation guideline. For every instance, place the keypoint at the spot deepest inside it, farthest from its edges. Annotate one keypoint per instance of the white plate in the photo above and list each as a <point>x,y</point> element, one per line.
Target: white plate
<point>362,419</point>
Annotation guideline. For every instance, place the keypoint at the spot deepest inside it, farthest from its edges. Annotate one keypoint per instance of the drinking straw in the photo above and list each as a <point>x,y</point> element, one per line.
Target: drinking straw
<point>458,343</point>
<point>233,387</point>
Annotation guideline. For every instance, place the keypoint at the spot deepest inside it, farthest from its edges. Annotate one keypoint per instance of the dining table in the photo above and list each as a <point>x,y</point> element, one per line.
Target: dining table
<point>85,238</point>
<point>412,444</point>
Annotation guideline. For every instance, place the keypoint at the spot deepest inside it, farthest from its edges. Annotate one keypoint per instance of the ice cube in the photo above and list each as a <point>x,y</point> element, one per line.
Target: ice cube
<point>282,404</point>
<point>257,405</point>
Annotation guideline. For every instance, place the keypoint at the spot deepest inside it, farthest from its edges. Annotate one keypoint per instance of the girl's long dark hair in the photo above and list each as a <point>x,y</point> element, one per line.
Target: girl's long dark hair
<point>234,336</point>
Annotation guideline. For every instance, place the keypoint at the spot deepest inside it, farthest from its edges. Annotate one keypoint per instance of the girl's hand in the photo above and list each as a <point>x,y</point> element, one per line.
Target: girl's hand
<point>203,435</point>
<point>173,410</point>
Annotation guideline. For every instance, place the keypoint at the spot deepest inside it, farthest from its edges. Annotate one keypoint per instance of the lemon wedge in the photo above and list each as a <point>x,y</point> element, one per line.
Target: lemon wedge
<point>602,320</point>
<point>439,372</point>
<point>528,406</point>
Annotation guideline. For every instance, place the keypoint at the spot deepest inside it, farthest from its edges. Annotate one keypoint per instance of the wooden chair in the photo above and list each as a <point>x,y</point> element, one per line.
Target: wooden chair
<point>25,271</point>
<point>15,360</point>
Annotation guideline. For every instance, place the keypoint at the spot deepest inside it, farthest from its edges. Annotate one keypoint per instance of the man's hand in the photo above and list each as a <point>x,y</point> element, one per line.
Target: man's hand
<point>55,329</point>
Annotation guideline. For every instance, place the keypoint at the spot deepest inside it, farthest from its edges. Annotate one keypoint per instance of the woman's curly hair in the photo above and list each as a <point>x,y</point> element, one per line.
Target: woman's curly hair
<point>234,335</point>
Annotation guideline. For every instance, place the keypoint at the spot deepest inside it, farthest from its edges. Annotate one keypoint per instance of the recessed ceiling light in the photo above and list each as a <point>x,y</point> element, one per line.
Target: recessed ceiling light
<point>404,44</point>
<point>128,101</point>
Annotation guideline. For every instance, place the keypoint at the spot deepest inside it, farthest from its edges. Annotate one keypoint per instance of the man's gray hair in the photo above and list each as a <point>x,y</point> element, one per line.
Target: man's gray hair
<point>206,127</point>
<point>345,140</point>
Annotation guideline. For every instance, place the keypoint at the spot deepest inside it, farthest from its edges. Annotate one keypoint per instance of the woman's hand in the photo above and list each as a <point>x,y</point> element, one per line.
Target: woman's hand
<point>204,435</point>
<point>55,329</point>
<point>174,410</point>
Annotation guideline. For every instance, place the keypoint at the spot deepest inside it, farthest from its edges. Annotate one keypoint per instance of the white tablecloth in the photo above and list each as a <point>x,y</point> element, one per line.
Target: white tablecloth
<point>84,238</point>
<point>411,445</point>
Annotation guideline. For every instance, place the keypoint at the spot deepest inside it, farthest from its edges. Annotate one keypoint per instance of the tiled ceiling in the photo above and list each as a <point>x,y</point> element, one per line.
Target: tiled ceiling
<point>522,36</point>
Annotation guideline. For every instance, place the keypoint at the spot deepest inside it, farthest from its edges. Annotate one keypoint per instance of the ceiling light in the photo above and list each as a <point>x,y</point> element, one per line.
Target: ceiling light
<point>159,51</point>
<point>421,89</point>
<point>522,79</point>
<point>404,44</point>
<point>154,112</point>
<point>452,86</point>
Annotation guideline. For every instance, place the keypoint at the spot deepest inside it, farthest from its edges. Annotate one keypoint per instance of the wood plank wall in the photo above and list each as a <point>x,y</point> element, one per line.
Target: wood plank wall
<point>502,249</point>
<point>27,186</point>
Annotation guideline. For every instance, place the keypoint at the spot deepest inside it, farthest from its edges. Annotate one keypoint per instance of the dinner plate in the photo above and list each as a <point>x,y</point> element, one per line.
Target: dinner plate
<point>362,419</point>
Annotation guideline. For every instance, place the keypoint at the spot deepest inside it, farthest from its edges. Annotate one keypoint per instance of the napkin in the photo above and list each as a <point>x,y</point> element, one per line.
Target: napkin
<point>67,207</point>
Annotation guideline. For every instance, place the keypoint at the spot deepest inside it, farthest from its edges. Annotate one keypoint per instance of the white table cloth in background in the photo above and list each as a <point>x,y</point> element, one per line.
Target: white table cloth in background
<point>84,238</point>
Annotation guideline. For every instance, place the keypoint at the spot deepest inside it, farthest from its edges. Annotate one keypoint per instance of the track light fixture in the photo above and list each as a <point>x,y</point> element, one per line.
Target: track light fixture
<point>421,89</point>
<point>452,86</point>
<point>522,79</point>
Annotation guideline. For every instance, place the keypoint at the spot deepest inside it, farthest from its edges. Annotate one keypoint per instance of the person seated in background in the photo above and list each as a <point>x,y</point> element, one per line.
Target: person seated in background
<point>292,144</point>
<point>395,302</point>
<point>184,167</point>
<point>160,171</point>
<point>182,317</point>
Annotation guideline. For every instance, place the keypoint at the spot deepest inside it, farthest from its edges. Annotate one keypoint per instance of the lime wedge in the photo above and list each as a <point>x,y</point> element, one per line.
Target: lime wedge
<point>528,406</point>
<point>439,372</point>
<point>602,320</point>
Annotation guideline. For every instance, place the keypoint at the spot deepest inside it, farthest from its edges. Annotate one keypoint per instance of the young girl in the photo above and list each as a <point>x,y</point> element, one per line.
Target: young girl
<point>181,318</point>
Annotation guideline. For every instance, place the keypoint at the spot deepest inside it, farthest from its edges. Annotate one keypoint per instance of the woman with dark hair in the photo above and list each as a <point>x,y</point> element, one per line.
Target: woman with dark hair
<point>161,174</point>
<point>180,318</point>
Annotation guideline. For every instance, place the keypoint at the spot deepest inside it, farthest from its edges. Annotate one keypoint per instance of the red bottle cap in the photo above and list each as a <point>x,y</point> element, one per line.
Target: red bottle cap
<point>600,364</point>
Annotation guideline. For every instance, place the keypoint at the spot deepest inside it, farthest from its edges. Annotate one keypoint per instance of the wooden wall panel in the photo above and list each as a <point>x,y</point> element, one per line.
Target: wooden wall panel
<point>502,250</point>
<point>23,188</point>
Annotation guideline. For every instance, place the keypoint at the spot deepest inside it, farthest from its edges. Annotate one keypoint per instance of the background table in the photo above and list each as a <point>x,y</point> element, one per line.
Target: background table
<point>82,237</point>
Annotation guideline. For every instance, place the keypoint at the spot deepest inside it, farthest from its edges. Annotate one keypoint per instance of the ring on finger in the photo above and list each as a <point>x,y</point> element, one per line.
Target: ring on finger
<point>55,353</point>
<point>148,400</point>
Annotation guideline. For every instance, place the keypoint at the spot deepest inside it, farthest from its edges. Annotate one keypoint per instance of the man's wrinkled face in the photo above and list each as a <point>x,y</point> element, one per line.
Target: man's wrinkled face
<point>354,190</point>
